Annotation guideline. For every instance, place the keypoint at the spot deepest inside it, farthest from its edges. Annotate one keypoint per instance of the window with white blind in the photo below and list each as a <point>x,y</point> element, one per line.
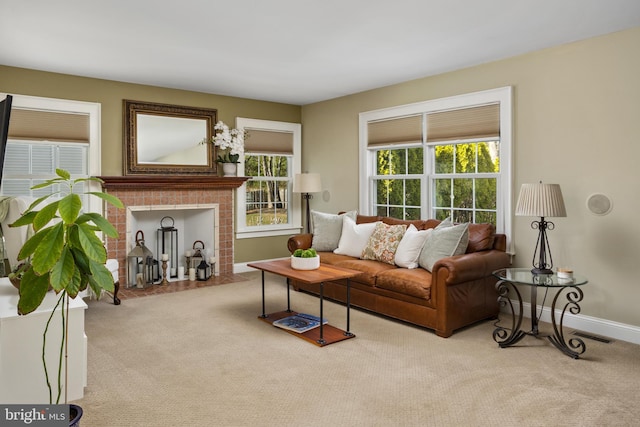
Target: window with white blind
<point>30,163</point>
<point>45,134</point>
<point>447,157</point>
<point>266,204</point>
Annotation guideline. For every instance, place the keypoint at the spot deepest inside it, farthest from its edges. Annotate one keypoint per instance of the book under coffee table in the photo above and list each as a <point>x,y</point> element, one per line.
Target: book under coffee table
<point>323,334</point>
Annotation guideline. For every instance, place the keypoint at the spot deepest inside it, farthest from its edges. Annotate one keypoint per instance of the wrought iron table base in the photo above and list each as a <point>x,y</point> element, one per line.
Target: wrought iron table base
<point>506,337</point>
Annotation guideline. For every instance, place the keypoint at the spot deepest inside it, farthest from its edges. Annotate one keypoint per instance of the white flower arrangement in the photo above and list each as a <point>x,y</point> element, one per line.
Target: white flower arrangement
<point>229,140</point>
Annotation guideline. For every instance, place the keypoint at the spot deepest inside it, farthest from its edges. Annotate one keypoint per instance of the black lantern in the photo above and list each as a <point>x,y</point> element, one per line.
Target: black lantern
<point>167,243</point>
<point>198,253</point>
<point>203,272</point>
<point>142,268</point>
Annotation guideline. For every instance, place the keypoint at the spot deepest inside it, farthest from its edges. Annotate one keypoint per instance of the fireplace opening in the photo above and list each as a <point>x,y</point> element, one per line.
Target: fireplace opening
<point>197,227</point>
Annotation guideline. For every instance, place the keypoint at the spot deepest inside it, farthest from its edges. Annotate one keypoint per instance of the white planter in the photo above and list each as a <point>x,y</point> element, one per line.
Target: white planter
<point>298,263</point>
<point>229,169</point>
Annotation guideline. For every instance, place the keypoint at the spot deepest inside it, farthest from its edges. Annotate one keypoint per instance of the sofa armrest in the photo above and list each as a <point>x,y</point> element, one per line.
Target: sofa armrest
<point>299,241</point>
<point>473,266</point>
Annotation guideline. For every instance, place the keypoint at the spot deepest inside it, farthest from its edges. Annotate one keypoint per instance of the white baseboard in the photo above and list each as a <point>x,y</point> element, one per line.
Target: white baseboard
<point>242,267</point>
<point>592,325</point>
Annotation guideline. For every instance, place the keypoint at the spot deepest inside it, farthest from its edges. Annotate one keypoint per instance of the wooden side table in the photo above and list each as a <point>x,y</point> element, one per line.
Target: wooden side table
<point>509,277</point>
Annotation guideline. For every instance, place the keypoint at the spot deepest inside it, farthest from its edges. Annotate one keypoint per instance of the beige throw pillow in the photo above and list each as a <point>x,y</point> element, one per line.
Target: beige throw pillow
<point>327,229</point>
<point>442,243</point>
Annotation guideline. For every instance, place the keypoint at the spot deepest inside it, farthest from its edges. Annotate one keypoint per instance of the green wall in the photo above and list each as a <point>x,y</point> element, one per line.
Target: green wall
<point>110,95</point>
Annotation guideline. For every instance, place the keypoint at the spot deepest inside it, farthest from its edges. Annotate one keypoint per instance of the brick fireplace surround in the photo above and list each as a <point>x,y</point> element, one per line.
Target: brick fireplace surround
<point>150,190</point>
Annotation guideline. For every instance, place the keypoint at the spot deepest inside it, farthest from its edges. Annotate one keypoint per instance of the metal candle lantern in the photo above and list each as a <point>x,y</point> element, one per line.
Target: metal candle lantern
<point>203,271</point>
<point>198,252</point>
<point>140,264</point>
<point>167,243</point>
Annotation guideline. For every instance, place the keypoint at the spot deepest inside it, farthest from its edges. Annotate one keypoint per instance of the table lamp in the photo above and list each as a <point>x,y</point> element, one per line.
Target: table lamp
<point>543,200</point>
<point>307,183</point>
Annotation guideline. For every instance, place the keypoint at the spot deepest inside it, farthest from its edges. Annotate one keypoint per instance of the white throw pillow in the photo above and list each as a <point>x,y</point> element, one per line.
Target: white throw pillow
<point>442,243</point>
<point>327,228</point>
<point>410,246</point>
<point>354,237</point>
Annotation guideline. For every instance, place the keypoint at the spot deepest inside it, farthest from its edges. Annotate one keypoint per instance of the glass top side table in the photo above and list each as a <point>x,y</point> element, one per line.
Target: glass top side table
<point>509,277</point>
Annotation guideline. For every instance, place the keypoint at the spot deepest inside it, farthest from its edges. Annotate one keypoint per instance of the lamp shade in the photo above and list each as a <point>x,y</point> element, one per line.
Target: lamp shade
<point>307,183</point>
<point>543,200</point>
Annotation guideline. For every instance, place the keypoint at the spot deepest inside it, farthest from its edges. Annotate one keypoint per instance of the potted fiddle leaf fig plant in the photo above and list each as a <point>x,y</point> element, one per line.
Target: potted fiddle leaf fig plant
<point>65,253</point>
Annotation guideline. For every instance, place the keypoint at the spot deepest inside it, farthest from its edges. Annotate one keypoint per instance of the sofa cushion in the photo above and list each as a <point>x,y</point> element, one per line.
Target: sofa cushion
<point>383,242</point>
<point>327,229</point>
<point>444,242</point>
<point>481,237</point>
<point>370,269</point>
<point>410,247</point>
<point>331,258</point>
<point>354,237</point>
<point>416,282</point>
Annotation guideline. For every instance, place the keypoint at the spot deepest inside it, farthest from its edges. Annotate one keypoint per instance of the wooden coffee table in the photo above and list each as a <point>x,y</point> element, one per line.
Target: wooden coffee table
<point>324,334</point>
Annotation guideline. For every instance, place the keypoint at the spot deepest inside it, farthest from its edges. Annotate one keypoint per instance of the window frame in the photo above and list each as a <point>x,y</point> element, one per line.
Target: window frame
<point>243,231</point>
<point>367,166</point>
<point>93,110</point>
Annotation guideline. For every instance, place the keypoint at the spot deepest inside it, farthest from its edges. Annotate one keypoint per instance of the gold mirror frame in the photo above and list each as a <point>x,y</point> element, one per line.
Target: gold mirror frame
<point>135,110</point>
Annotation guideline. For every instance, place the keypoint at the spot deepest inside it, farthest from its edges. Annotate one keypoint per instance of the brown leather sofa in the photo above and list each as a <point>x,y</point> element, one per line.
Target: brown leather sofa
<point>458,292</point>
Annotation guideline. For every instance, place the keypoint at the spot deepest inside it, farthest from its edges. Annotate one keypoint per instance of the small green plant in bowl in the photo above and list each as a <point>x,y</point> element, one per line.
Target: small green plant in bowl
<point>305,253</point>
<point>305,259</point>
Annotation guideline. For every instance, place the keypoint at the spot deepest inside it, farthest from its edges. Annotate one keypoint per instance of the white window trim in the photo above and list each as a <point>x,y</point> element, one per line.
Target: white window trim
<point>242,230</point>
<point>93,109</point>
<point>502,95</point>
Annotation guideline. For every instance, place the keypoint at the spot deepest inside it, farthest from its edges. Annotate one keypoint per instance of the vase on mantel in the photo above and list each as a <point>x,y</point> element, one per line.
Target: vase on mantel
<point>229,169</point>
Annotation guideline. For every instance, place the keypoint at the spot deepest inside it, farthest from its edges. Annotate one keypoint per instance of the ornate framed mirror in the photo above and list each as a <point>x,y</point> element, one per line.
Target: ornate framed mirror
<point>165,139</point>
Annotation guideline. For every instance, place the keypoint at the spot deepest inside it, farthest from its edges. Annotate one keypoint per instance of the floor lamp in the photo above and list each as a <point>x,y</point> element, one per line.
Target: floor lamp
<point>307,183</point>
<point>543,200</point>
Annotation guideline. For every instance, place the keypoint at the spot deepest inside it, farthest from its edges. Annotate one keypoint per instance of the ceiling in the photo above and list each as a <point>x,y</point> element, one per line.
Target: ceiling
<point>291,51</point>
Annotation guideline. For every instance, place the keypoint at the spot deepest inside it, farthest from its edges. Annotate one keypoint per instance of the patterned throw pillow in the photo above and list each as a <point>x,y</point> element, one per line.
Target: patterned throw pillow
<point>383,243</point>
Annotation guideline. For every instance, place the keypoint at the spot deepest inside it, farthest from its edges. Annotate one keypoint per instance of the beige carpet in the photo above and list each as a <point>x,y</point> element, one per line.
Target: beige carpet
<point>202,358</point>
